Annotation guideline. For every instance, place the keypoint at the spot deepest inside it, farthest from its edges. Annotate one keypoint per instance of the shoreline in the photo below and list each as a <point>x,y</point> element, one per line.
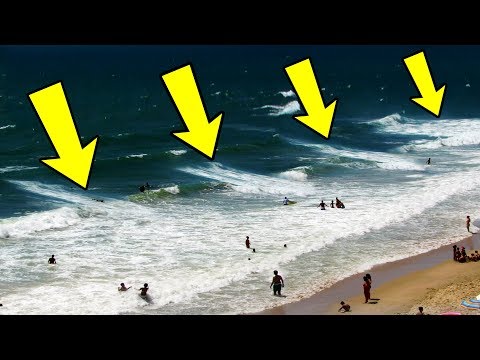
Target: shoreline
<point>399,285</point>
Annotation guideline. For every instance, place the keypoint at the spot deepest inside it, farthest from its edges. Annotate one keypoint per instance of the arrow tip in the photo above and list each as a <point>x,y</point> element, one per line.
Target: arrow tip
<point>76,164</point>
<point>204,138</point>
<point>433,101</point>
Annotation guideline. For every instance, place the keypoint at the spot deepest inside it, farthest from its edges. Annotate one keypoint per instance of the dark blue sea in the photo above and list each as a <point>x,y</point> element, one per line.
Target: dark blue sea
<point>185,236</point>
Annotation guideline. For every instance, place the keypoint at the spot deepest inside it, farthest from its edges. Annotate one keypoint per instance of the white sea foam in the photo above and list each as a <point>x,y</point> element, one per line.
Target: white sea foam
<point>136,156</point>
<point>177,152</point>
<point>16,168</point>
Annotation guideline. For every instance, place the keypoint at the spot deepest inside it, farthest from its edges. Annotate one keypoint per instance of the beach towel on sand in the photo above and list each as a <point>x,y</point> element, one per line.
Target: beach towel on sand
<point>451,313</point>
<point>470,305</point>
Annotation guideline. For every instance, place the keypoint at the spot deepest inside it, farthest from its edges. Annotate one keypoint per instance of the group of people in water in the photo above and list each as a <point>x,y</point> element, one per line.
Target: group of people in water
<point>277,281</point>
<point>322,205</point>
<point>338,204</point>
<point>143,290</point>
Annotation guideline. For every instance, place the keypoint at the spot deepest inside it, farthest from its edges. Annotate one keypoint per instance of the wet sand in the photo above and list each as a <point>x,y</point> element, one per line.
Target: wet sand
<point>432,280</point>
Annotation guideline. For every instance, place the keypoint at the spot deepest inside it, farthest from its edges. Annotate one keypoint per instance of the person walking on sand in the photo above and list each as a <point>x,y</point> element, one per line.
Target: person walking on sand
<point>344,307</point>
<point>277,283</point>
<point>468,223</point>
<point>247,242</point>
<point>366,289</point>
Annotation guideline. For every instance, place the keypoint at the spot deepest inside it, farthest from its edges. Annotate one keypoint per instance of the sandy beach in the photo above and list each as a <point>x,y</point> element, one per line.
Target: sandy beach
<point>432,280</point>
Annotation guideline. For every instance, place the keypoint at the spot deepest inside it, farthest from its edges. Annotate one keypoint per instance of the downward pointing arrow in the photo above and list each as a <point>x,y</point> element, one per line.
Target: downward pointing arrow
<point>318,118</point>
<point>431,99</point>
<point>202,135</point>
<point>73,161</point>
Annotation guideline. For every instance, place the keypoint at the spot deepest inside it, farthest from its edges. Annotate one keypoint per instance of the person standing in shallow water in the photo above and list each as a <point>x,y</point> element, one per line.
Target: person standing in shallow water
<point>143,290</point>
<point>52,260</point>
<point>468,223</point>
<point>277,283</point>
<point>247,242</point>
<point>428,161</point>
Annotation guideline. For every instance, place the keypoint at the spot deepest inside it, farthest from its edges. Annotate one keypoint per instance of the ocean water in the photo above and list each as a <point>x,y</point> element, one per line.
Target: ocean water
<point>186,237</point>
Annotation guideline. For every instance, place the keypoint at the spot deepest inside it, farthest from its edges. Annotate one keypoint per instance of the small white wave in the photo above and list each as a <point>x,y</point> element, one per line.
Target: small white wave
<point>171,189</point>
<point>297,174</point>
<point>47,220</point>
<point>135,156</point>
<point>7,126</point>
<point>177,152</point>
<point>275,110</point>
<point>16,168</point>
<point>464,139</point>
<point>246,182</point>
<point>289,93</point>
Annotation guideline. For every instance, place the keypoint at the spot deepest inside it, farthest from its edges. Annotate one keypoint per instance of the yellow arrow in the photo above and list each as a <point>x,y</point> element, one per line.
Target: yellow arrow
<point>72,161</point>
<point>431,99</point>
<point>318,118</point>
<point>202,135</point>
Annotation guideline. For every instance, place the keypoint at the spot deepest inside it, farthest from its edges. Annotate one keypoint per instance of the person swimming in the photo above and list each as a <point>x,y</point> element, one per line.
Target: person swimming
<point>123,287</point>
<point>143,290</point>
<point>144,187</point>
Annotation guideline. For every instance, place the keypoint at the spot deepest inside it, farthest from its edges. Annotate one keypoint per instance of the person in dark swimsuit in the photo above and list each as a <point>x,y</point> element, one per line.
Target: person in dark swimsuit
<point>344,307</point>
<point>321,205</point>
<point>52,260</point>
<point>144,290</point>
<point>277,283</point>
<point>123,287</point>
<point>366,289</point>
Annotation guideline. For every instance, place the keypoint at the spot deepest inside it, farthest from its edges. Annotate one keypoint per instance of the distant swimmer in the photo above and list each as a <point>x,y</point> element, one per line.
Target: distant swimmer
<point>428,161</point>
<point>285,201</point>
<point>247,242</point>
<point>321,205</point>
<point>331,204</point>
<point>144,187</point>
<point>52,260</point>
<point>123,287</point>
<point>284,245</point>
<point>143,290</point>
